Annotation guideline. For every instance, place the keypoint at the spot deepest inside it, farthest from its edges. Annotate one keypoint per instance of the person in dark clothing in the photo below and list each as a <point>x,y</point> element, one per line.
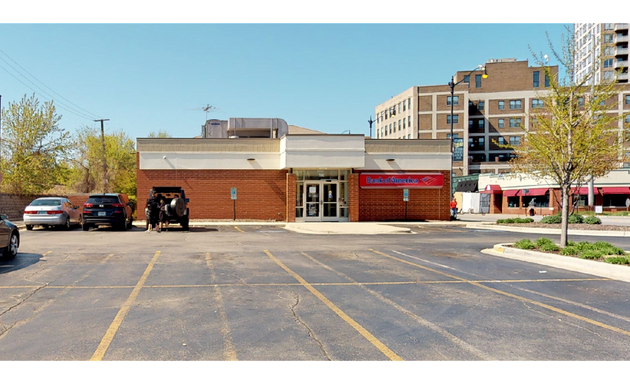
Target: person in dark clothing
<point>162,214</point>
<point>153,208</point>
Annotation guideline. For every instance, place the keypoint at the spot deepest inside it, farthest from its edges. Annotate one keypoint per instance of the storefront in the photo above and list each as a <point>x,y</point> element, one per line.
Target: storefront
<point>301,177</point>
<point>523,195</point>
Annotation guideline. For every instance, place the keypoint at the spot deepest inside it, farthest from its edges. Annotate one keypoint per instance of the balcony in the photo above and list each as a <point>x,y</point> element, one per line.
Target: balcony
<point>621,26</point>
<point>621,51</point>
<point>621,64</point>
<point>618,39</point>
<point>622,76</point>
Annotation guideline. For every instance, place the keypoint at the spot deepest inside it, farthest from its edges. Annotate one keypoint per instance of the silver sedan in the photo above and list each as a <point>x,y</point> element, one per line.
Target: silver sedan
<point>52,211</point>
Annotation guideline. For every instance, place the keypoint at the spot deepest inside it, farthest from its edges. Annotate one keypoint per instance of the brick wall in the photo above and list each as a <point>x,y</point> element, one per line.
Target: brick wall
<point>388,204</point>
<point>353,198</point>
<point>13,205</point>
<point>261,194</point>
<point>291,197</point>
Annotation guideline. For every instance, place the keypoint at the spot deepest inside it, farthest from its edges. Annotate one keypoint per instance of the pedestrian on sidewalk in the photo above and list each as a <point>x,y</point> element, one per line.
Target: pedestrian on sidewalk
<point>454,209</point>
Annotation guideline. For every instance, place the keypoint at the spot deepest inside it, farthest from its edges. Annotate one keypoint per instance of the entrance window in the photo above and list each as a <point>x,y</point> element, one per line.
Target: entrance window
<point>536,201</point>
<point>513,201</point>
<point>615,200</point>
<point>322,194</point>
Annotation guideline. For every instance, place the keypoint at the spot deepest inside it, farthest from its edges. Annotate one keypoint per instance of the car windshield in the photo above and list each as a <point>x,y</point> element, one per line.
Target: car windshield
<point>46,202</point>
<point>103,200</point>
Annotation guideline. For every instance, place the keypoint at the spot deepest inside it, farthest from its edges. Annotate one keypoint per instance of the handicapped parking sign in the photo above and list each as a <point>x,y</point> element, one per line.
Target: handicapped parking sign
<point>233,193</point>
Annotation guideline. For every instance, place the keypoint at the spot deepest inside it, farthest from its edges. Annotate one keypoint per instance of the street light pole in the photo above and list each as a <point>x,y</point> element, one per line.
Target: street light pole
<point>452,84</point>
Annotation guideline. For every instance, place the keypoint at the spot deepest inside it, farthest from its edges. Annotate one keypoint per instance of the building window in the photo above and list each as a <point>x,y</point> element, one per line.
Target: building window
<point>608,63</point>
<point>546,81</point>
<point>455,119</point>
<point>515,140</point>
<point>467,79</point>
<point>390,129</point>
<point>409,121</point>
<point>399,126</point>
<point>501,123</point>
<point>537,103</point>
<point>627,119</point>
<point>409,136</point>
<point>627,99</point>
<point>515,104</point>
<point>409,102</point>
<point>580,101</point>
<point>501,140</point>
<point>607,38</point>
<point>404,105</point>
<point>501,104</point>
<point>470,124</point>
<point>477,81</point>
<point>394,126</point>
<point>482,124</point>
<point>515,122</point>
<point>480,105</point>
<point>404,125</point>
<point>536,79</point>
<point>455,100</point>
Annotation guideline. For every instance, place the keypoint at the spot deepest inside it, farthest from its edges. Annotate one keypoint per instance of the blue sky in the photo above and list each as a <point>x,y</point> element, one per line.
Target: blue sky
<point>327,77</point>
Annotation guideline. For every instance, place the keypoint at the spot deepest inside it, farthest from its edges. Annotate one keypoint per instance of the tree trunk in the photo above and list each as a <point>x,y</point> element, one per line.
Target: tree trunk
<point>564,227</point>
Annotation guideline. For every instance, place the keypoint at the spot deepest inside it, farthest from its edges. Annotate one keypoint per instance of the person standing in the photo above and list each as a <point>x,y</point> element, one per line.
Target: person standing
<point>162,214</point>
<point>153,212</point>
<point>454,209</point>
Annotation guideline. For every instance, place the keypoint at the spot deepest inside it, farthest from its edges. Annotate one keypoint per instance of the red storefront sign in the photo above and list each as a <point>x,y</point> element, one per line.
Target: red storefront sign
<point>401,180</point>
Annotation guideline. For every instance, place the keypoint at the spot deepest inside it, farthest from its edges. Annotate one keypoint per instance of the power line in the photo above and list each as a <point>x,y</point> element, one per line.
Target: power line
<point>50,97</point>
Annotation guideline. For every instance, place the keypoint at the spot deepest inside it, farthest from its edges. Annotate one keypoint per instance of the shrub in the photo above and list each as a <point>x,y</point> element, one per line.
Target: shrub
<point>592,220</point>
<point>617,260</point>
<point>524,220</point>
<point>602,244</point>
<point>569,251</point>
<point>555,219</point>
<point>549,247</point>
<point>500,221</point>
<point>608,249</point>
<point>509,221</point>
<point>571,243</point>
<point>584,246</point>
<point>524,244</point>
<point>575,219</point>
<point>591,254</point>
<point>543,241</point>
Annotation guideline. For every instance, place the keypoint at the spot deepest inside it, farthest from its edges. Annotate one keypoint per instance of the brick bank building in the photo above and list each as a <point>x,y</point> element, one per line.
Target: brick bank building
<point>283,173</point>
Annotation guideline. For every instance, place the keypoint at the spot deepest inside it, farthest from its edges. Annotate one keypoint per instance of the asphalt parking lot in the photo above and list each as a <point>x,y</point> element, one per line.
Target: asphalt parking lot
<point>263,293</point>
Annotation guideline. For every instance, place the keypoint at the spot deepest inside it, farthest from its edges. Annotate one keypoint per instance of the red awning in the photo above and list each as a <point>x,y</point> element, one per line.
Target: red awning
<point>616,191</point>
<point>583,191</point>
<point>492,188</point>
<point>534,192</point>
<point>511,192</point>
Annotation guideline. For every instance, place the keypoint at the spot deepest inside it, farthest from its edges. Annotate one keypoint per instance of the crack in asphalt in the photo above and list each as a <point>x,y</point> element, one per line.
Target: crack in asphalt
<point>310,331</point>
<point>6,329</point>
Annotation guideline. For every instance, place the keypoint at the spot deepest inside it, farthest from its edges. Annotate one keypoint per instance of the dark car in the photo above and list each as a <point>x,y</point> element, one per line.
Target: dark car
<point>9,238</point>
<point>113,209</point>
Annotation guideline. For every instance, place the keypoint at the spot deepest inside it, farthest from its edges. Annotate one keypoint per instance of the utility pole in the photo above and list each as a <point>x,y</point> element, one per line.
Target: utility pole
<point>104,159</point>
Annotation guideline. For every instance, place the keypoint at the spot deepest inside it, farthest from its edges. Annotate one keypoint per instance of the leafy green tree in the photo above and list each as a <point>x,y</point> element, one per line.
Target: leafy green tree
<point>573,136</point>
<point>160,134</point>
<point>87,164</point>
<point>34,147</point>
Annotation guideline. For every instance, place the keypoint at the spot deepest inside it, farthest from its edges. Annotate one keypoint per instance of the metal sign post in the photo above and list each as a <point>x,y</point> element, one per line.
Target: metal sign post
<point>406,199</point>
<point>233,197</point>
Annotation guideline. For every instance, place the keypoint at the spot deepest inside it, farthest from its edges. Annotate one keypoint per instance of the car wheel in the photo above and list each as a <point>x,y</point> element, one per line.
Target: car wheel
<point>86,227</point>
<point>12,248</point>
<point>66,226</point>
<point>29,227</point>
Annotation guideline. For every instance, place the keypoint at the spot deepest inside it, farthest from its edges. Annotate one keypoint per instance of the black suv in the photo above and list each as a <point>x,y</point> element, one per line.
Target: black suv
<point>112,209</point>
<point>176,205</point>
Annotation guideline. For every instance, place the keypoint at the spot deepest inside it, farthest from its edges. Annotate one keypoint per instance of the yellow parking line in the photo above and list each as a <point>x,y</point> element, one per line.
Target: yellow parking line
<point>364,332</point>
<point>229,351</point>
<point>113,328</point>
<point>238,229</point>
<point>546,306</point>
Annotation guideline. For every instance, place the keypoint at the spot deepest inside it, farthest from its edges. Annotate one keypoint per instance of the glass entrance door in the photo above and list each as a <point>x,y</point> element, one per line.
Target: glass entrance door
<point>321,201</point>
<point>313,201</point>
<point>329,209</point>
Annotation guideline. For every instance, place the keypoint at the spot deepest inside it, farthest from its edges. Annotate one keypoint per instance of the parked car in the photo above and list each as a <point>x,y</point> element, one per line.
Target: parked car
<point>52,211</point>
<point>113,209</point>
<point>9,238</point>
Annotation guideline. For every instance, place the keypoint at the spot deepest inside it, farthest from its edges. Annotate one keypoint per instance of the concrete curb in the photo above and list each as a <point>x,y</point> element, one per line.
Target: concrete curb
<point>348,229</point>
<point>610,271</point>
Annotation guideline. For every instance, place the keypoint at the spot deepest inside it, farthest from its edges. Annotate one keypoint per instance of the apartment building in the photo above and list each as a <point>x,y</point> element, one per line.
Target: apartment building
<point>608,39</point>
<point>486,112</point>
